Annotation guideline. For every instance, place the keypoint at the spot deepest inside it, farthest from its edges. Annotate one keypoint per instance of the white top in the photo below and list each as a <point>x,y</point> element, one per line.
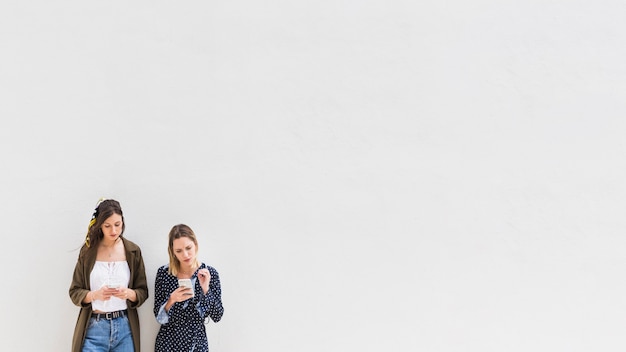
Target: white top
<point>111,274</point>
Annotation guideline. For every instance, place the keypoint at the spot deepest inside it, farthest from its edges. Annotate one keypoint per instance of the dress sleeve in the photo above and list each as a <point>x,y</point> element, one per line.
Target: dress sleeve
<point>210,305</point>
<point>161,294</point>
<point>161,316</point>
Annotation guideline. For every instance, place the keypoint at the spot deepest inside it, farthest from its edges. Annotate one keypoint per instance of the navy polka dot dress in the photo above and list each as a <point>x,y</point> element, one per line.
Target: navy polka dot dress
<point>182,327</point>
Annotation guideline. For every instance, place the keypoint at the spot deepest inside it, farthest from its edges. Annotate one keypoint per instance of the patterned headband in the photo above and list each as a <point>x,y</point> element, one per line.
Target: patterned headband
<point>93,220</point>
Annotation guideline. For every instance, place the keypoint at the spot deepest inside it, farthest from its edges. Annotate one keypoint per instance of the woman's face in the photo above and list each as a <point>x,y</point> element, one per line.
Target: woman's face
<point>112,228</point>
<point>185,251</point>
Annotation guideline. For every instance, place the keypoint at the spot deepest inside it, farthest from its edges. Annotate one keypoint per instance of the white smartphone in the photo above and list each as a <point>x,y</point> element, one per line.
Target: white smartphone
<point>186,283</point>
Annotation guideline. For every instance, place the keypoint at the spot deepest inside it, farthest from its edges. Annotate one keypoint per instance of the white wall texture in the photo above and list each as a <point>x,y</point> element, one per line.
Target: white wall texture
<point>365,175</point>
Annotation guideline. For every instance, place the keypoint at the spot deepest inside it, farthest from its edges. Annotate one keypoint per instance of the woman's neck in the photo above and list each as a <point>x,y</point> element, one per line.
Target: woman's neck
<point>109,244</point>
<point>188,270</point>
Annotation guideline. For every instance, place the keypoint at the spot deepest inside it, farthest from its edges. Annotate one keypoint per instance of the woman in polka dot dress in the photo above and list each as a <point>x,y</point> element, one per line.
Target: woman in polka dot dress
<point>182,311</point>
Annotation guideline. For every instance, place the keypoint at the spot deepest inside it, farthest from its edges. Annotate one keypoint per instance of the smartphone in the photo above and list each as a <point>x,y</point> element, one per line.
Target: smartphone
<point>186,283</point>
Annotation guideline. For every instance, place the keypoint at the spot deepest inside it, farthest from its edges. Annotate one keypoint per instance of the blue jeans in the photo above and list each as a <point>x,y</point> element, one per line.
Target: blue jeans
<point>108,335</point>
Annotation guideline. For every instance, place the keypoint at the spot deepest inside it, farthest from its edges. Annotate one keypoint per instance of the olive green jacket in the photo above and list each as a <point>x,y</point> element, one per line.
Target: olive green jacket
<point>81,286</point>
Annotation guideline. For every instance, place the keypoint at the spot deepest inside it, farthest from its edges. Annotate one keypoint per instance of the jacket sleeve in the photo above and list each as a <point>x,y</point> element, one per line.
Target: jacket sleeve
<point>79,288</point>
<point>140,283</point>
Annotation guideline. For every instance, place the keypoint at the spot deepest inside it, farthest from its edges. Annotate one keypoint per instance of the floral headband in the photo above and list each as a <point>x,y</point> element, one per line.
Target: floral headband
<point>93,220</point>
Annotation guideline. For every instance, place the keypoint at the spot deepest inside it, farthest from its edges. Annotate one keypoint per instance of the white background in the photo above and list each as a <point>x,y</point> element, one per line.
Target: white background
<point>364,175</point>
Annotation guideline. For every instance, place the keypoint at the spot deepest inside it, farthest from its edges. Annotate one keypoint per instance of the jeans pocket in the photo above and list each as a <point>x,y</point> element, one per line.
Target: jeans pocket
<point>92,322</point>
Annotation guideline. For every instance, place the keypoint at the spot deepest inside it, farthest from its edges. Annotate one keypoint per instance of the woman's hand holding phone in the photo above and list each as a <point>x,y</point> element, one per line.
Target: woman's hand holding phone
<point>123,293</point>
<point>183,292</point>
<point>105,293</point>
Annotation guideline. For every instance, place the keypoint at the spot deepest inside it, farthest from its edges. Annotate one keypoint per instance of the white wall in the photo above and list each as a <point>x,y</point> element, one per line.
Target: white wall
<point>365,175</point>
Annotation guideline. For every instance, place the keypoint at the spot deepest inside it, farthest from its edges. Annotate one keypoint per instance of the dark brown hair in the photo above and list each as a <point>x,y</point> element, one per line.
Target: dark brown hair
<point>103,211</point>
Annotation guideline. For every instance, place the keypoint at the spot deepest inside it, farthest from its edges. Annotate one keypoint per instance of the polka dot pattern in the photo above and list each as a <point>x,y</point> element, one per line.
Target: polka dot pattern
<point>185,328</point>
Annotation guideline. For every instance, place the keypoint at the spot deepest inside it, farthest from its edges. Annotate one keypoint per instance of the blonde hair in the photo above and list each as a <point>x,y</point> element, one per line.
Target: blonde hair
<point>179,231</point>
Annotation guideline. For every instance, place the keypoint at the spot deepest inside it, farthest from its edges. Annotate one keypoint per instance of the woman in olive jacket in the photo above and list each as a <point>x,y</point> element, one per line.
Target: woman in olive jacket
<point>81,292</point>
